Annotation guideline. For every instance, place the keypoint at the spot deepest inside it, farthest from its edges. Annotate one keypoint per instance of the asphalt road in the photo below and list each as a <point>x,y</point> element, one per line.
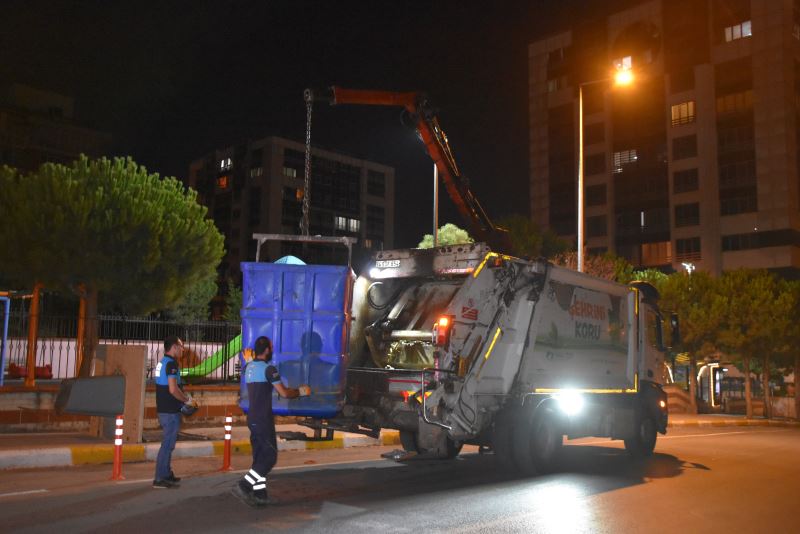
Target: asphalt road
<point>699,480</point>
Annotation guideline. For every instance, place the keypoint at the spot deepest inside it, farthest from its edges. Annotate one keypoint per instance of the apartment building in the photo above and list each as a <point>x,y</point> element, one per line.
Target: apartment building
<point>696,162</point>
<point>258,187</point>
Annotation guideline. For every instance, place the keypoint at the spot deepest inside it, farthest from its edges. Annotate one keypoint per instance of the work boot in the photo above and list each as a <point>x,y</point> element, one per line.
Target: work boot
<point>164,484</point>
<point>242,491</point>
<point>263,498</point>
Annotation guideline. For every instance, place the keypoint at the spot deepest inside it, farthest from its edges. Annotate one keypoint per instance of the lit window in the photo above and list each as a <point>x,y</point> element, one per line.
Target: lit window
<point>225,164</point>
<point>258,171</point>
<point>624,157</point>
<point>222,182</point>
<point>658,253</point>
<point>353,225</point>
<point>340,223</point>
<point>556,84</point>
<point>623,63</point>
<point>738,31</point>
<point>683,113</point>
<point>289,172</point>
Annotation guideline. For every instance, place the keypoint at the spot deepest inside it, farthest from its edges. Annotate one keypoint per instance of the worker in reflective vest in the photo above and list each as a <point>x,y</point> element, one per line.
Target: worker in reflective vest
<point>261,378</point>
<point>170,398</point>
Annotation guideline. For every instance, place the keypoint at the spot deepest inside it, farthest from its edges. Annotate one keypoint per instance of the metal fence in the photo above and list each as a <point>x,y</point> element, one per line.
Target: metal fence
<point>56,346</point>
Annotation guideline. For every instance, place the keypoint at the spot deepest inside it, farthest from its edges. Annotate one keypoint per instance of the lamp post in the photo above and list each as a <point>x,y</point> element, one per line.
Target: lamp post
<point>435,206</point>
<point>621,77</point>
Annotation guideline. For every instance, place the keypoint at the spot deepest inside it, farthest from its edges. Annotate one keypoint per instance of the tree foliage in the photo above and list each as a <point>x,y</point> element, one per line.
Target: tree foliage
<point>193,307</point>
<point>529,241</point>
<point>755,311</point>
<point>138,240</point>
<point>695,298</point>
<point>233,303</point>
<point>449,234</point>
<point>608,266</point>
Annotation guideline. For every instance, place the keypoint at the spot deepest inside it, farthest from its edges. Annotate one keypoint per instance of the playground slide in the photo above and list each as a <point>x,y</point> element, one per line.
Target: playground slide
<point>216,360</point>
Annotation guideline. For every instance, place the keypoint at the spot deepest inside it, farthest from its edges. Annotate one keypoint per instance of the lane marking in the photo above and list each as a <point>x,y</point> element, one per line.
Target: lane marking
<point>29,492</point>
<point>311,466</point>
<point>721,434</point>
<point>677,437</point>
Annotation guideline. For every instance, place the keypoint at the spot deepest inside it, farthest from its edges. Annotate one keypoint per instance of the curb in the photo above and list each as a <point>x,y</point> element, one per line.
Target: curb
<point>104,454</point>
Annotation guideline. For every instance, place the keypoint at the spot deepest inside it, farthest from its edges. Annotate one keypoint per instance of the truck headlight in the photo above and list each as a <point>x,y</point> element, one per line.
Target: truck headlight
<point>570,402</point>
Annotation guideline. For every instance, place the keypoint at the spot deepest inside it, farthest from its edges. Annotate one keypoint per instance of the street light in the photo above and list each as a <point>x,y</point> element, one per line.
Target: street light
<point>621,77</point>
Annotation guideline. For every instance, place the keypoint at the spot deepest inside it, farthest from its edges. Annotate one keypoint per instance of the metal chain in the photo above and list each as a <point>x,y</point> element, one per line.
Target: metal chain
<point>307,186</point>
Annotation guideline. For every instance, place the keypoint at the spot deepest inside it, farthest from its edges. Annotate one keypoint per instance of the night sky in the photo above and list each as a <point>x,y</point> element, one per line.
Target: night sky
<point>173,80</point>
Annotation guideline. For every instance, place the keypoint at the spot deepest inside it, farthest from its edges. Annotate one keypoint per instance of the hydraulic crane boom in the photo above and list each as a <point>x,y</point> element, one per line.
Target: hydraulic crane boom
<point>427,125</point>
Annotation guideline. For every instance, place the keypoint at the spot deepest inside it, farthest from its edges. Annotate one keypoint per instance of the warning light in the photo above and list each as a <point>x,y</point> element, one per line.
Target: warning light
<point>441,331</point>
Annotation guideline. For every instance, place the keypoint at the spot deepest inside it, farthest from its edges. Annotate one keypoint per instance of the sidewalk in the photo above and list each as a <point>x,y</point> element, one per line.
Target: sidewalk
<point>56,449</point>
<point>19,451</point>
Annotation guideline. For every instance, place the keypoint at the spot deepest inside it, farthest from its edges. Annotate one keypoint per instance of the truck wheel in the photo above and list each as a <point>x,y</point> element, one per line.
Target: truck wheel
<point>501,443</point>
<point>522,444</point>
<point>643,443</point>
<point>546,442</point>
<point>453,449</point>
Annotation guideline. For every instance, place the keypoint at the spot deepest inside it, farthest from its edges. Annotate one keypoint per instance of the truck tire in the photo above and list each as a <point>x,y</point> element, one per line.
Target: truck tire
<point>453,449</point>
<point>409,442</point>
<point>522,444</point>
<point>546,440</point>
<point>643,443</point>
<point>501,442</point>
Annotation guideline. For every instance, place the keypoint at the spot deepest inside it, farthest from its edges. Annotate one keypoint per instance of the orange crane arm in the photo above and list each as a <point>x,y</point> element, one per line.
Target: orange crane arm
<point>427,125</point>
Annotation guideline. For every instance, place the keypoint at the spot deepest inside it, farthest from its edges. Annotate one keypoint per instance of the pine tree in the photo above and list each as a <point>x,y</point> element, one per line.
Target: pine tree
<point>119,236</point>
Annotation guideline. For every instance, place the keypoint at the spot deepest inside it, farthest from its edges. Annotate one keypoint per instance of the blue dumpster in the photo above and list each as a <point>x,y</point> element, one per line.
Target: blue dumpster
<point>304,309</point>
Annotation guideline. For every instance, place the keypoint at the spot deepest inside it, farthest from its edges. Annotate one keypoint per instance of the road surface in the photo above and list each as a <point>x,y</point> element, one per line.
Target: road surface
<point>699,480</point>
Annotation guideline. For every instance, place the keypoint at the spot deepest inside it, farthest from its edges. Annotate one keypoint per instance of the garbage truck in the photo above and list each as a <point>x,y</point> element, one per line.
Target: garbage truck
<point>462,344</point>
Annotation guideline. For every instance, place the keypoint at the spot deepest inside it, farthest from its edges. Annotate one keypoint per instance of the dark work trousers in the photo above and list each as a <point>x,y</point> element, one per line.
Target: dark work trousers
<point>265,447</point>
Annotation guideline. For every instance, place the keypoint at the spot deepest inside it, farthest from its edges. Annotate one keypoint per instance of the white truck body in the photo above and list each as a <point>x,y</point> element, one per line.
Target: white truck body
<point>461,345</point>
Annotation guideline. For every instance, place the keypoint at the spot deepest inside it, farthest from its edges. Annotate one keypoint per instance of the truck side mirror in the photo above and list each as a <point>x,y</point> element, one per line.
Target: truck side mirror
<point>675,327</point>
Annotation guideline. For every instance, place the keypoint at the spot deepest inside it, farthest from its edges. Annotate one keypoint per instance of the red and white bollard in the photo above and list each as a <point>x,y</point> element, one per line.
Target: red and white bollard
<point>116,474</point>
<point>226,453</point>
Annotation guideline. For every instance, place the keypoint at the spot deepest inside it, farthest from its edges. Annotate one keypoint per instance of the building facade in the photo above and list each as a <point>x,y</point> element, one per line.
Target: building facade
<point>695,162</point>
<point>257,187</point>
<point>38,126</point>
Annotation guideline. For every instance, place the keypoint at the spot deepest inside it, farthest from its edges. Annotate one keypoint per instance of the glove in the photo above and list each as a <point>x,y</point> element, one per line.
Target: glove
<point>304,390</point>
<point>191,401</point>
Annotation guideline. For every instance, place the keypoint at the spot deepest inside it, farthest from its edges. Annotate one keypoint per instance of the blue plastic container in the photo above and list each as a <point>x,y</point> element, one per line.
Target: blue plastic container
<point>304,309</point>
